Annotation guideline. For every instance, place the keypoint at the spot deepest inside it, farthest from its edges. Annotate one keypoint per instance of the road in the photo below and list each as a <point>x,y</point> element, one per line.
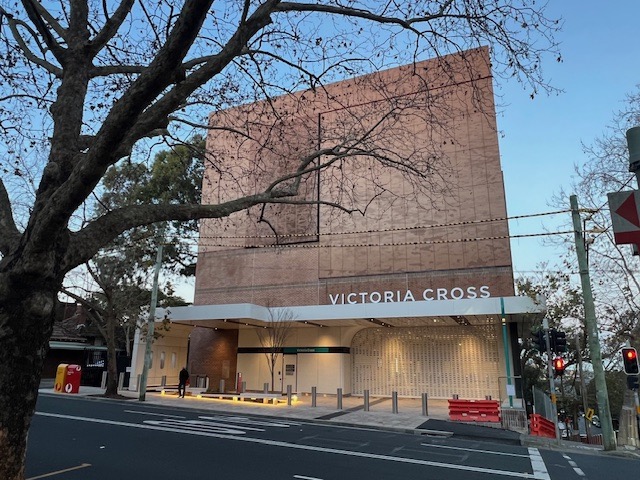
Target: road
<point>76,438</point>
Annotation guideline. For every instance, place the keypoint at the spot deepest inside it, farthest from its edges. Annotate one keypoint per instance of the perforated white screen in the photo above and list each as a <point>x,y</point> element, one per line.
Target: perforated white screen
<point>439,361</point>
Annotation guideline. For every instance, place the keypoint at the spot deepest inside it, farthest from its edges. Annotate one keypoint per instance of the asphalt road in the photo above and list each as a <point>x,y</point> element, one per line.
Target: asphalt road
<point>76,438</point>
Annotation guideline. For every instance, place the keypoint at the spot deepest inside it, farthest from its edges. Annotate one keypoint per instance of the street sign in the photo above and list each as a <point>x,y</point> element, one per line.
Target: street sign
<point>624,208</point>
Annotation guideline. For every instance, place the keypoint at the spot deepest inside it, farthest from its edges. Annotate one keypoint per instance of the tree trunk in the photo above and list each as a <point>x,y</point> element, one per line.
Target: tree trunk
<point>112,368</point>
<point>26,321</point>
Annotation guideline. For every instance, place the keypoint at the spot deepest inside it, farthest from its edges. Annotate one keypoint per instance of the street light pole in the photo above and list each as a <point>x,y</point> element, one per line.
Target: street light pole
<point>602,396</point>
<point>152,319</point>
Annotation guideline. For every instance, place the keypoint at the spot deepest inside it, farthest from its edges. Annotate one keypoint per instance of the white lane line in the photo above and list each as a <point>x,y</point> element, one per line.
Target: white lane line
<point>156,414</point>
<point>537,463</point>
<point>302,477</point>
<point>574,465</point>
<point>275,443</point>
<point>58,472</point>
<point>474,450</point>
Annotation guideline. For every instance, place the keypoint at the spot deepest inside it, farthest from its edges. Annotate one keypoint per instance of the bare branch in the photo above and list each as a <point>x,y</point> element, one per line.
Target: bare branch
<point>34,15</point>
<point>50,19</point>
<point>29,55</point>
<point>111,26</point>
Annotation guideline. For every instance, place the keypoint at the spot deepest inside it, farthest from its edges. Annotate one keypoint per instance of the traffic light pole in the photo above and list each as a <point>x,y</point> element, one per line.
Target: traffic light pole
<point>583,391</point>
<point>552,385</point>
<point>602,395</point>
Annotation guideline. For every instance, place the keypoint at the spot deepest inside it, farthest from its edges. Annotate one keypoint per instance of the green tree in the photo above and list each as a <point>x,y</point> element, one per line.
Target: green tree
<point>119,272</point>
<point>85,85</point>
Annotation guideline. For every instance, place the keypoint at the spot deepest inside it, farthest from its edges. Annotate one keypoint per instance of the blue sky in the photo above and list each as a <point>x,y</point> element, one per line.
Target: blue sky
<point>542,138</point>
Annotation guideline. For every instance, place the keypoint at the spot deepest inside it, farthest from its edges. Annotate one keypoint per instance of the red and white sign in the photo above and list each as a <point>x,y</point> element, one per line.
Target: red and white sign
<point>624,208</point>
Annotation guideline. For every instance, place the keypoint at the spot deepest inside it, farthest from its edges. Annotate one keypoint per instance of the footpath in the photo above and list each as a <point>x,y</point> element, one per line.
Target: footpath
<point>408,419</point>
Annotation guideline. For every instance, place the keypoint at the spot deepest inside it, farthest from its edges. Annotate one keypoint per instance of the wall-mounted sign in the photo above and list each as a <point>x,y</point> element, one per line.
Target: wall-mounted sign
<point>391,296</point>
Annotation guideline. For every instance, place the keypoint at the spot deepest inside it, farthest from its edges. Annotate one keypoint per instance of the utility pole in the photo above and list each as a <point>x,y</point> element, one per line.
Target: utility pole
<point>152,318</point>
<point>602,396</point>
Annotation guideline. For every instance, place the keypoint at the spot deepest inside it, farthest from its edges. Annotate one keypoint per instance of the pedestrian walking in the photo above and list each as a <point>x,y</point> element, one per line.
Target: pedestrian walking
<point>183,379</point>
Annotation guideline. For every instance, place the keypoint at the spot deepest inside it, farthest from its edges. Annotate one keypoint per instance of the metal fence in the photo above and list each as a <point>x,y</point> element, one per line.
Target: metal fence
<point>542,405</point>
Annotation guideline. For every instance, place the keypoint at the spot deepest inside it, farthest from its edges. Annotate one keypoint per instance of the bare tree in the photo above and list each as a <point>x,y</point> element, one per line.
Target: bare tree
<point>274,337</point>
<point>614,270</point>
<point>85,85</point>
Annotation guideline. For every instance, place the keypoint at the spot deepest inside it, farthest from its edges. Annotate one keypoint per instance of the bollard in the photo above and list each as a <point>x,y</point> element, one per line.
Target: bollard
<point>314,395</point>
<point>394,402</point>
<point>339,399</point>
<point>425,409</point>
<point>221,387</point>
<point>103,382</point>
<point>289,395</point>
<point>244,387</point>
<point>366,400</point>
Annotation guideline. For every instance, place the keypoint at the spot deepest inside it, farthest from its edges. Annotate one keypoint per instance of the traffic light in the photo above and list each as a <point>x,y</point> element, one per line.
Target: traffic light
<point>632,382</point>
<point>558,341</point>
<point>630,360</point>
<point>539,342</point>
<point>558,365</point>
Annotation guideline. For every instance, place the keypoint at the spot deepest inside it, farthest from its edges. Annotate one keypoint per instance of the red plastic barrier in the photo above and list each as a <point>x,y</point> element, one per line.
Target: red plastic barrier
<point>542,427</point>
<point>474,410</point>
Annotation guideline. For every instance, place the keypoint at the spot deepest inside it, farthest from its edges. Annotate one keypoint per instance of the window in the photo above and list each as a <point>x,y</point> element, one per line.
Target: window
<point>162,355</point>
<point>174,360</point>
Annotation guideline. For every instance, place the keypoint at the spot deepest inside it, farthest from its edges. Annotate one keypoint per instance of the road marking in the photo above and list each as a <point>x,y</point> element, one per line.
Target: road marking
<point>334,451</point>
<point>248,420</point>
<point>302,477</point>
<point>197,425</point>
<point>474,450</point>
<point>83,465</point>
<point>537,463</point>
<point>150,413</point>
<point>574,465</point>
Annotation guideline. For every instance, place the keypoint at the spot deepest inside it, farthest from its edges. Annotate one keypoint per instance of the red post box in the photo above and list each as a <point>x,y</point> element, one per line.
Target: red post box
<point>72,381</point>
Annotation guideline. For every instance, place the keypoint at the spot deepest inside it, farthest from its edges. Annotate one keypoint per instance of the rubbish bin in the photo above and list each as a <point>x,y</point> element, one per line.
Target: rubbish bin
<point>72,381</point>
<point>61,375</point>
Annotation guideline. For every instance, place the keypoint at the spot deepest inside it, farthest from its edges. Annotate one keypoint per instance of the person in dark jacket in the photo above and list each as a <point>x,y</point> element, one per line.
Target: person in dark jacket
<point>183,378</point>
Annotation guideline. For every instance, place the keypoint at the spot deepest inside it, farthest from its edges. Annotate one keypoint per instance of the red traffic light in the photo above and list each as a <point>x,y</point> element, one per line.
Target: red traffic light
<point>558,365</point>
<point>630,360</point>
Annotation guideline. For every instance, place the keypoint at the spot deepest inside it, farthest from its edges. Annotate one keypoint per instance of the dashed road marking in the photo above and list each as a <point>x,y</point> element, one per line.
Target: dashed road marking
<point>574,465</point>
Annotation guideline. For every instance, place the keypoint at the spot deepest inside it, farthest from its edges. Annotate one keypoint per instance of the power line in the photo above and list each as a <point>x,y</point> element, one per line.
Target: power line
<point>388,230</point>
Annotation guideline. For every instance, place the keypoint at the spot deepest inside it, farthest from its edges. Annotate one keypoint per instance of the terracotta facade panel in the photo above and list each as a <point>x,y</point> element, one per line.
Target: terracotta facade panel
<point>411,231</point>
